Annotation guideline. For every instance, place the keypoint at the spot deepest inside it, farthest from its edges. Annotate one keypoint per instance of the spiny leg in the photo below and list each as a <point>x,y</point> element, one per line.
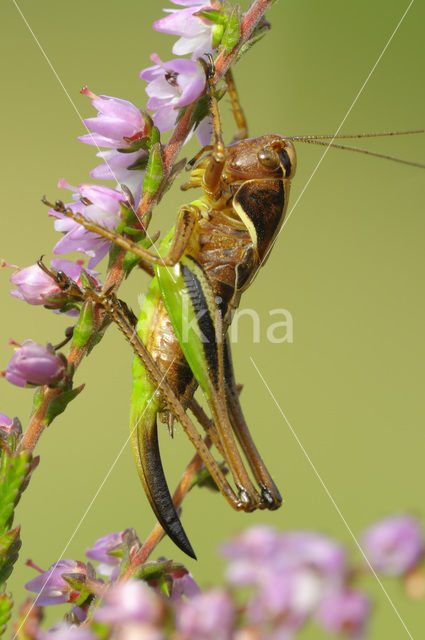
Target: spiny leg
<point>269,492</point>
<point>238,114</point>
<point>150,466</point>
<point>212,175</point>
<point>191,305</point>
<point>113,308</point>
<point>207,424</point>
<point>185,223</point>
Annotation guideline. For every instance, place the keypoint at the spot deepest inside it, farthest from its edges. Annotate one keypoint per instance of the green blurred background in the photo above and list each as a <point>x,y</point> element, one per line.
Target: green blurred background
<point>348,266</point>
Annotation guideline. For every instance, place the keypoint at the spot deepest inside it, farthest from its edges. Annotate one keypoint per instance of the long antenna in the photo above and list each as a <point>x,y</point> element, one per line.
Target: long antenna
<point>356,135</point>
<point>365,151</point>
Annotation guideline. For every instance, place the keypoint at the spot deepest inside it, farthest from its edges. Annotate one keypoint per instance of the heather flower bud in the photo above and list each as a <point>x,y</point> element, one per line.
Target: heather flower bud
<point>6,423</point>
<point>9,427</point>
<point>52,587</point>
<point>36,287</point>
<point>33,364</point>
<point>394,545</point>
<point>119,126</point>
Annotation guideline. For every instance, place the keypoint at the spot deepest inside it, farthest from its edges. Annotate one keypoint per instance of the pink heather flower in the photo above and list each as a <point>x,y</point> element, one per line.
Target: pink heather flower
<point>313,563</point>
<point>394,545</point>
<point>345,612</point>
<point>50,585</point>
<point>9,427</point>
<point>33,364</point>
<point>6,423</point>
<point>117,125</point>
<point>207,616</point>
<point>172,85</point>
<point>66,632</point>
<point>196,33</point>
<point>109,564</point>
<point>183,586</point>
<point>273,604</point>
<point>36,287</point>
<point>104,208</point>
<point>130,602</point>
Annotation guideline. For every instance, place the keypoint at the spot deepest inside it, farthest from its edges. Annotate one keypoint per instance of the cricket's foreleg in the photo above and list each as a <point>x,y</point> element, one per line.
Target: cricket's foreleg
<point>185,223</point>
<point>269,492</point>
<point>238,114</point>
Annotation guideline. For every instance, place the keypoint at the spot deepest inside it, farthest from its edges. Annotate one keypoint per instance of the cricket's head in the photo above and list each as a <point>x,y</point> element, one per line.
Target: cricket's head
<point>266,157</point>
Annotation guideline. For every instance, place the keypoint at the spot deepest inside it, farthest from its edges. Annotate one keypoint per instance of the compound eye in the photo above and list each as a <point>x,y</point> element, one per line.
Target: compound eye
<point>269,158</point>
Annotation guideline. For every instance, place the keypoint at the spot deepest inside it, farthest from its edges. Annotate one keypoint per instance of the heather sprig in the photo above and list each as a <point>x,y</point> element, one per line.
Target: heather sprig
<point>275,584</point>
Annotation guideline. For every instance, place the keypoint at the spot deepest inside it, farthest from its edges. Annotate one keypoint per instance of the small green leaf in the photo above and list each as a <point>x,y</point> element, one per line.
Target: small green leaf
<point>140,164</point>
<point>38,399</point>
<point>259,32</point>
<point>14,470</point>
<point>217,34</point>
<point>78,582</point>
<point>59,403</point>
<point>232,32</point>
<point>155,135</point>
<point>213,15</point>
<point>6,605</point>
<point>83,330</point>
<point>154,570</point>
<point>154,171</point>
<point>200,111</point>
<point>164,584</point>
<point>10,543</point>
<point>136,145</point>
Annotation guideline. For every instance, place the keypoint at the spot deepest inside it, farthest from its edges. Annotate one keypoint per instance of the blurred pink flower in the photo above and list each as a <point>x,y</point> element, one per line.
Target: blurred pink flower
<point>345,612</point>
<point>394,545</point>
<point>130,602</point>
<point>207,616</point>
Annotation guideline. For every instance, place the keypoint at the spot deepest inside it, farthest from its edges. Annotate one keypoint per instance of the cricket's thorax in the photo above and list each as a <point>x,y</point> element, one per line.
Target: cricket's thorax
<point>230,241</point>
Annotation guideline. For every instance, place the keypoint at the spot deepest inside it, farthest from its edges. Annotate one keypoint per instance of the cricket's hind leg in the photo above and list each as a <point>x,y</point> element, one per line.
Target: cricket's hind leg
<point>271,498</point>
<point>238,114</point>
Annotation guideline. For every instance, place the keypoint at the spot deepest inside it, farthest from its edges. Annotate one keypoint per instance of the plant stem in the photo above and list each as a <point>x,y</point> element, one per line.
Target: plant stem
<point>37,422</point>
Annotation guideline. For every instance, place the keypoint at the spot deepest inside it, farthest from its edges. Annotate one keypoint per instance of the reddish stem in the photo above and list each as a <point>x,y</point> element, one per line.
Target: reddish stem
<point>37,422</point>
